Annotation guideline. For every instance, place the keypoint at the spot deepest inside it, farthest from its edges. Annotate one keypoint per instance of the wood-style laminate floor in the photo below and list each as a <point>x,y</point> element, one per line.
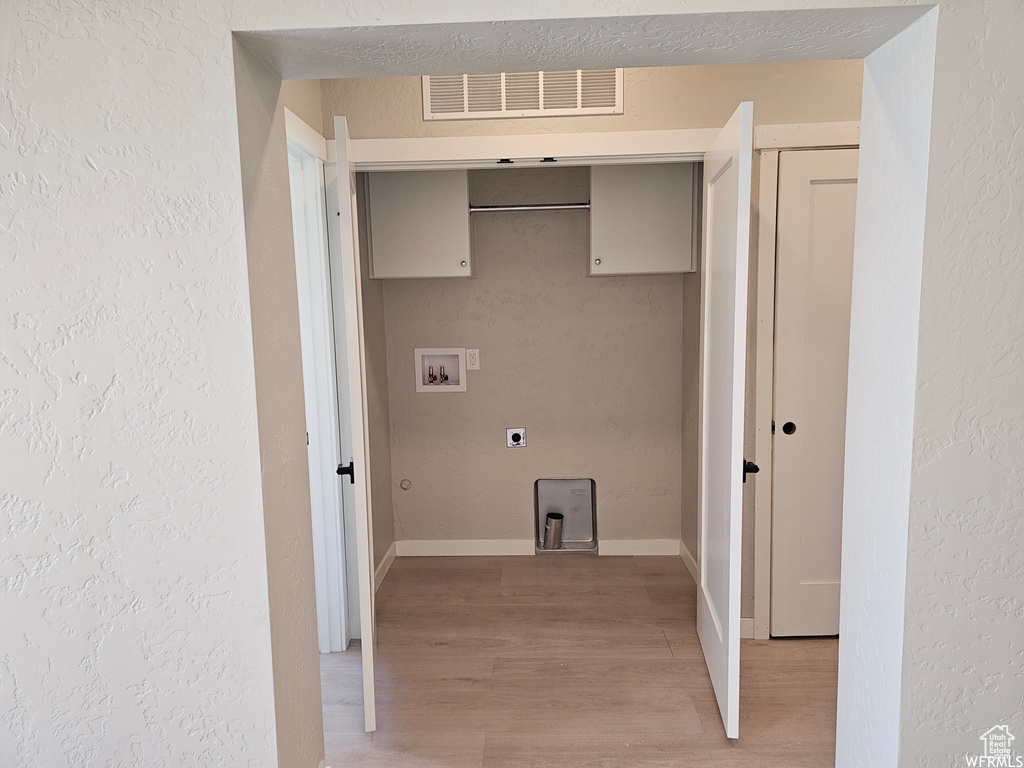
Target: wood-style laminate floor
<point>567,661</point>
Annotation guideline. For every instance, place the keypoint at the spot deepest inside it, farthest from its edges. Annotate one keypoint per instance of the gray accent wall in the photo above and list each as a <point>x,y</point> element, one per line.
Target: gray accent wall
<point>592,367</point>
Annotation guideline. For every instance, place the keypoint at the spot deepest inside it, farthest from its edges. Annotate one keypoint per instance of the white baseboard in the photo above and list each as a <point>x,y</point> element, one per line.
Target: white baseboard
<point>385,566</point>
<point>464,547</point>
<point>639,547</point>
<point>689,561</point>
<point>499,547</point>
<point>746,625</point>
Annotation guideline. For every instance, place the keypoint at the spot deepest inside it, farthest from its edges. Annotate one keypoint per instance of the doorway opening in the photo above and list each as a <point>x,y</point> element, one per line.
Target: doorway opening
<point>531,227</point>
<point>880,96</point>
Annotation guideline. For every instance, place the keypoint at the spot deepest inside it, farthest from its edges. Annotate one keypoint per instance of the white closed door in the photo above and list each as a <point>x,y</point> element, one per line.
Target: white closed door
<point>816,213</point>
<point>346,281</point>
<point>727,197</point>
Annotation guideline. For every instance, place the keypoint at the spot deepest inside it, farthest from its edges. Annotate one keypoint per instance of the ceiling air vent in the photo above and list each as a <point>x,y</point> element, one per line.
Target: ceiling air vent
<point>523,94</point>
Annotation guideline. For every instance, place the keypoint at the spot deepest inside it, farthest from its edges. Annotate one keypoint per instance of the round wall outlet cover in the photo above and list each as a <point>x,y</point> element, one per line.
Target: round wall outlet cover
<point>515,437</point>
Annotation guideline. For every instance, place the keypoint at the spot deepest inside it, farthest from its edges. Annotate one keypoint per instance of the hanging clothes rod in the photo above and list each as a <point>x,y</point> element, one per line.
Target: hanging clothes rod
<point>529,207</point>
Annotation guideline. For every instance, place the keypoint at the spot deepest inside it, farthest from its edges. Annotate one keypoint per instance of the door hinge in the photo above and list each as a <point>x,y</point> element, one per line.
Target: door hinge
<point>749,468</point>
<point>349,470</point>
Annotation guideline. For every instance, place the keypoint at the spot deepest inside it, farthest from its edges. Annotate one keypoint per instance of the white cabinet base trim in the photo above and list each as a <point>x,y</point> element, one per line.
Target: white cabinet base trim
<point>385,565</point>
<point>746,629</point>
<point>689,561</point>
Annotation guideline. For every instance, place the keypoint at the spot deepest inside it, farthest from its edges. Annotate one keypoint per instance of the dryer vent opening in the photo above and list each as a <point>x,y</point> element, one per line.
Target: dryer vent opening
<point>570,505</point>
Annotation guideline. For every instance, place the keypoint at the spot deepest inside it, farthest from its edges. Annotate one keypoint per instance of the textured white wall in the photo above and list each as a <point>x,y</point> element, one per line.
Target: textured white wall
<point>888,250</point>
<point>132,552</point>
<point>592,367</point>
<point>963,660</point>
<point>133,576</point>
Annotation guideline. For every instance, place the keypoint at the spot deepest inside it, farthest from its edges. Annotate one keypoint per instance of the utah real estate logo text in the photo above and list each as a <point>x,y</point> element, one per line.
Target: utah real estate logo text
<point>998,750</point>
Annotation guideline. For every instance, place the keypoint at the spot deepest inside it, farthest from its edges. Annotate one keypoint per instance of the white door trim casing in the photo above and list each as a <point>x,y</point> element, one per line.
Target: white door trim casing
<point>304,135</point>
<point>764,389</point>
<point>604,147</point>
<point>817,135</point>
<point>526,151</point>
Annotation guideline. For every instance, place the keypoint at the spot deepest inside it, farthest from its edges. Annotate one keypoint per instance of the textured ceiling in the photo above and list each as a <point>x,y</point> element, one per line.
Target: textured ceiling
<point>635,41</point>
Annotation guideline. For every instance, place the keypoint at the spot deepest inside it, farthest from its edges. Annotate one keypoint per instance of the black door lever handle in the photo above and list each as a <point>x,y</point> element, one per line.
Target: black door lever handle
<point>350,470</point>
<point>749,468</point>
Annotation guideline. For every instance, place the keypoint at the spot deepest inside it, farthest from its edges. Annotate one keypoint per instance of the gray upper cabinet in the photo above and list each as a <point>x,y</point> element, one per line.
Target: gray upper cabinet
<point>419,224</point>
<point>644,219</point>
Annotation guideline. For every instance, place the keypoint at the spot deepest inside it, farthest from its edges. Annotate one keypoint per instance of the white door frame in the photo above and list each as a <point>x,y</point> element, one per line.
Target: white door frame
<point>769,140</point>
<point>336,592</point>
<point>527,151</point>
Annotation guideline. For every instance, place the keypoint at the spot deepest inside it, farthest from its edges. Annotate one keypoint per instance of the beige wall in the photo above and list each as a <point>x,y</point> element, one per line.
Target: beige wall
<point>592,367</point>
<point>378,409</point>
<point>280,407</point>
<point>654,98</point>
<point>303,98</point>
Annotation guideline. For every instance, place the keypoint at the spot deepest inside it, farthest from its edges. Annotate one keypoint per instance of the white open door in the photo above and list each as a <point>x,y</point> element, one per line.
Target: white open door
<point>727,197</point>
<point>346,279</point>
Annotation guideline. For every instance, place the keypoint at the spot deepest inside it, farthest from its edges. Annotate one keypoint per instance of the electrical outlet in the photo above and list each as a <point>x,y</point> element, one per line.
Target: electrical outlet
<point>515,437</point>
<point>472,359</point>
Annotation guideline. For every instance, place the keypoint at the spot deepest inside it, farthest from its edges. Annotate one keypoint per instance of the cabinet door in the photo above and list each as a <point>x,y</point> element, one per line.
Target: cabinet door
<point>419,224</point>
<point>642,219</point>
